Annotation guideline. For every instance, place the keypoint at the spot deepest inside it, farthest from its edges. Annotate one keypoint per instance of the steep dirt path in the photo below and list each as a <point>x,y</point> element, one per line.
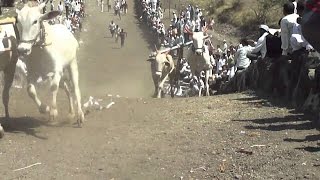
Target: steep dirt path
<point>195,138</point>
<point>104,67</point>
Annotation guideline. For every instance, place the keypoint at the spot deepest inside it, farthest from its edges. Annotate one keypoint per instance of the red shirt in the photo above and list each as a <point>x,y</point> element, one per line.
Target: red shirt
<point>313,5</point>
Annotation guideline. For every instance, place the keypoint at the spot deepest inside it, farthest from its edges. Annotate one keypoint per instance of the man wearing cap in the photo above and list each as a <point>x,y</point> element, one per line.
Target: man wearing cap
<point>261,46</point>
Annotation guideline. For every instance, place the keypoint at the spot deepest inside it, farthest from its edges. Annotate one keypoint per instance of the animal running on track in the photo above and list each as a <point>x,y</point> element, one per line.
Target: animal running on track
<point>56,58</point>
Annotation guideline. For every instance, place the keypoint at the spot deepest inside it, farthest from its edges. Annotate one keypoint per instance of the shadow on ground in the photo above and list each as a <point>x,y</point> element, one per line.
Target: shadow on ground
<point>297,121</point>
<point>29,125</point>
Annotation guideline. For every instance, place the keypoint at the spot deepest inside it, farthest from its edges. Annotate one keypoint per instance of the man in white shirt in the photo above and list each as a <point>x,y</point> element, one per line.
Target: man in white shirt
<point>77,8</point>
<point>60,7</point>
<point>117,32</point>
<point>154,4</point>
<point>225,47</point>
<point>221,62</point>
<point>261,46</point>
<point>73,5</point>
<point>175,18</point>
<point>219,50</point>
<point>112,27</point>
<point>188,14</point>
<point>51,6</point>
<point>185,72</point>
<point>67,23</point>
<point>242,61</point>
<point>297,40</point>
<point>197,24</point>
<point>300,52</point>
<point>286,24</point>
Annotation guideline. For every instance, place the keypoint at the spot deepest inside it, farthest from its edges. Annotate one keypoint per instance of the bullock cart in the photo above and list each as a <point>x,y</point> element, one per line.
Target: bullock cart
<point>8,59</point>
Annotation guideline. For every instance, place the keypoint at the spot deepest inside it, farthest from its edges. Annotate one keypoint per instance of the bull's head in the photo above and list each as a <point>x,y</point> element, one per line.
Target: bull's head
<point>30,19</point>
<point>161,59</point>
<point>198,42</point>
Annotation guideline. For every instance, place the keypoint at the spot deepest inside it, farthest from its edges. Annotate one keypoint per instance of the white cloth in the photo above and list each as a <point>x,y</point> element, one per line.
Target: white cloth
<point>188,15</point>
<point>232,73</point>
<point>197,24</point>
<point>261,45</point>
<point>295,6</point>
<point>286,31</point>
<point>112,26</point>
<point>68,24</point>
<point>213,61</point>
<point>225,48</point>
<point>220,52</point>
<point>175,18</point>
<point>73,5</point>
<point>221,63</point>
<point>241,57</point>
<point>60,8</point>
<point>297,41</point>
<point>78,8</point>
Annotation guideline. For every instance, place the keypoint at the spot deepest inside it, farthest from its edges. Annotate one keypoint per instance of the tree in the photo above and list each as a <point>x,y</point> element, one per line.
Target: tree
<point>266,7</point>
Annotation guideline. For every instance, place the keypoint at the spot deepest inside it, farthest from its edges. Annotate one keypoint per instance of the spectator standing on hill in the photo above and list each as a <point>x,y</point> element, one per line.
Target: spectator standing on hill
<point>286,25</point>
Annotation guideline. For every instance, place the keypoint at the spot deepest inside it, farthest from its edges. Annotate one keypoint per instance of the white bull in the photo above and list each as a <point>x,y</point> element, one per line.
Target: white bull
<point>163,68</point>
<point>199,58</point>
<point>57,56</point>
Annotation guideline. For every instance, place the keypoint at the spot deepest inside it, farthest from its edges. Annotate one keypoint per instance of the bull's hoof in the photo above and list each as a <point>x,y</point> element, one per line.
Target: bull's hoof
<point>1,132</point>
<point>43,109</point>
<point>80,119</point>
<point>53,114</point>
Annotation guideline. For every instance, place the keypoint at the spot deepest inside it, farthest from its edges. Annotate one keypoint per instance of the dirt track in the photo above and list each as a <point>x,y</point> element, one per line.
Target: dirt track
<point>144,138</point>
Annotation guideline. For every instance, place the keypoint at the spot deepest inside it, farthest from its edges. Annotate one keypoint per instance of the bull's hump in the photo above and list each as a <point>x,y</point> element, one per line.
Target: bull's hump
<point>59,33</point>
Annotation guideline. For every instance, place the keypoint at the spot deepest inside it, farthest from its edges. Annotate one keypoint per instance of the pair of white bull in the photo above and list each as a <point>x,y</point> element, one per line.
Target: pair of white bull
<point>198,57</point>
<point>57,58</point>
